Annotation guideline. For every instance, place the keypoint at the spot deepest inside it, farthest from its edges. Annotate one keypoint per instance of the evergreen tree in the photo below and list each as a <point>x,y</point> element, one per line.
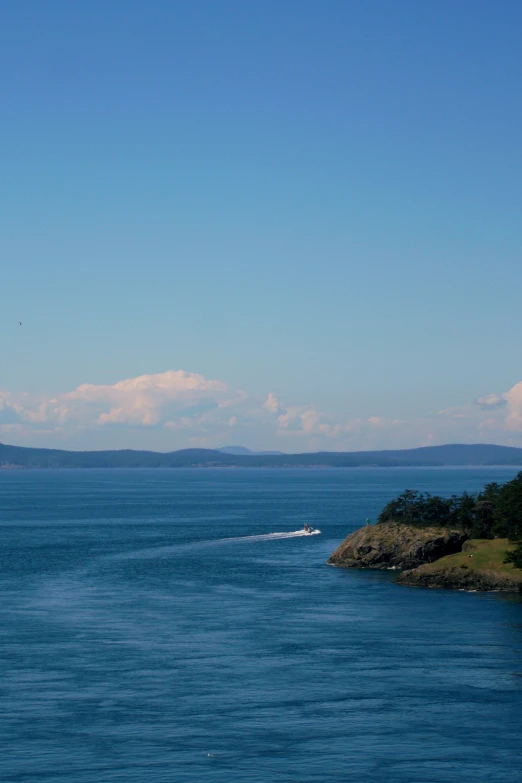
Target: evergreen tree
<point>494,512</point>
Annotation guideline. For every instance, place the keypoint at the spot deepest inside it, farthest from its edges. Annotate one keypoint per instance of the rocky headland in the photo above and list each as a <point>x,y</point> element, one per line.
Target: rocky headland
<point>390,545</point>
<point>464,542</point>
<point>430,557</point>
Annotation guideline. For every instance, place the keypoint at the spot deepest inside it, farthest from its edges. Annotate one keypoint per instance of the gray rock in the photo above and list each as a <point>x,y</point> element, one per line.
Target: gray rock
<point>391,545</point>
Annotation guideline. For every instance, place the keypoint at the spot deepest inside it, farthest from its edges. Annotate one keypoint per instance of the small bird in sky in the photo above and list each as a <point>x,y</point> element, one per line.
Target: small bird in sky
<point>20,323</point>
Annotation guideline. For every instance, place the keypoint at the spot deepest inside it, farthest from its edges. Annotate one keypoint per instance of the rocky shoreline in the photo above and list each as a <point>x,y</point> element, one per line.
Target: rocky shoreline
<point>479,566</point>
<point>457,579</point>
<point>430,557</point>
<point>396,546</point>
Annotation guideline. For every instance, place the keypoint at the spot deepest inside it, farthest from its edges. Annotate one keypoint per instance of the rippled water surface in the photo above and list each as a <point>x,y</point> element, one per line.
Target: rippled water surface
<point>152,629</point>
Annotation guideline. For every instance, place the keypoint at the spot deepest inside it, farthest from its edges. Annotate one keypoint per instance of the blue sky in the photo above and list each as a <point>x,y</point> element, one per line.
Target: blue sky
<point>314,200</point>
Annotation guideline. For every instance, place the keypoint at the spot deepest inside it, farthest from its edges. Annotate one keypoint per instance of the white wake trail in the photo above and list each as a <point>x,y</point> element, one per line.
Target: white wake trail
<point>165,551</point>
<point>271,536</point>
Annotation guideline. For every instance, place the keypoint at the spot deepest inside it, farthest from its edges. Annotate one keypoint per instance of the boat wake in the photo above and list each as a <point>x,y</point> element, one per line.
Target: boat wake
<point>272,536</point>
<point>165,551</point>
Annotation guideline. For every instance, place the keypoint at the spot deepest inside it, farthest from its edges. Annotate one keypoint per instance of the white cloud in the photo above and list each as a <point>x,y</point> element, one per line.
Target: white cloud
<point>178,409</point>
<point>514,406</point>
<point>491,401</point>
<point>377,421</point>
<point>148,400</point>
<point>192,408</point>
<point>272,403</point>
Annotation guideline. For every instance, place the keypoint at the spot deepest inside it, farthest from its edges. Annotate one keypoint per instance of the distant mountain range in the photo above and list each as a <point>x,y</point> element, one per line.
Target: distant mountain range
<point>237,450</point>
<point>453,454</point>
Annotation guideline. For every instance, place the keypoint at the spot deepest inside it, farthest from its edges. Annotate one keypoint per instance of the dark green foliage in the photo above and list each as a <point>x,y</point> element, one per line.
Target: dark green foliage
<point>515,556</point>
<point>462,514</point>
<point>414,507</point>
<point>484,520</point>
<point>494,512</point>
<point>508,510</point>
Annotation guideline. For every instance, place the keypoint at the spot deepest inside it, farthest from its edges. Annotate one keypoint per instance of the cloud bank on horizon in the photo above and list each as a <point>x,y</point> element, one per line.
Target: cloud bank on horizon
<point>178,409</point>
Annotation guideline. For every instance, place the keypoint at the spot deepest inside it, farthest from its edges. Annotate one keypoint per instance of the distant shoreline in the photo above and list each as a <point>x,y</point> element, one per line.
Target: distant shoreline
<point>452,455</point>
<point>17,468</point>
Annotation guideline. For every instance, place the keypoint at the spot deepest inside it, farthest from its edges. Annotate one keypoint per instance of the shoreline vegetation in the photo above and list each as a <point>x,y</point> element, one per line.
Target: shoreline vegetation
<point>465,542</point>
<point>451,455</point>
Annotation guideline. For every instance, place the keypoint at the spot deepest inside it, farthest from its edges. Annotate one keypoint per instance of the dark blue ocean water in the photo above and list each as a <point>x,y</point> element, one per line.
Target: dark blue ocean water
<point>152,632</point>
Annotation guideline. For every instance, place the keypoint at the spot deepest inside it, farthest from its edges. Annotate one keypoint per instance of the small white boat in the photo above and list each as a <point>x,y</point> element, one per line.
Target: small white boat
<point>309,530</point>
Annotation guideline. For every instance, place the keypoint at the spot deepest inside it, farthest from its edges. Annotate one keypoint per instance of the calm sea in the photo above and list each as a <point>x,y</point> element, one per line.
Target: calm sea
<point>153,629</point>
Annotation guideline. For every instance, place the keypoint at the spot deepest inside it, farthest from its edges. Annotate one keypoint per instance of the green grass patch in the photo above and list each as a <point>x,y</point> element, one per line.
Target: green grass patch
<point>479,554</point>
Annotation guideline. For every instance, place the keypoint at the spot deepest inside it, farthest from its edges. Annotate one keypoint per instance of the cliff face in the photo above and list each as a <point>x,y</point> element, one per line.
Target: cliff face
<point>396,546</point>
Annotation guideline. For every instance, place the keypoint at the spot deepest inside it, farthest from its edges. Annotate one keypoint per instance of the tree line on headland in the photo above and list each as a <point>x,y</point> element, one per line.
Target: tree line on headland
<point>495,512</point>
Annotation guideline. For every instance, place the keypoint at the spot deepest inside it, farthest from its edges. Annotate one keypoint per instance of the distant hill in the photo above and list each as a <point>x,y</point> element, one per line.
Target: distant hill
<point>242,450</point>
<point>453,454</point>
